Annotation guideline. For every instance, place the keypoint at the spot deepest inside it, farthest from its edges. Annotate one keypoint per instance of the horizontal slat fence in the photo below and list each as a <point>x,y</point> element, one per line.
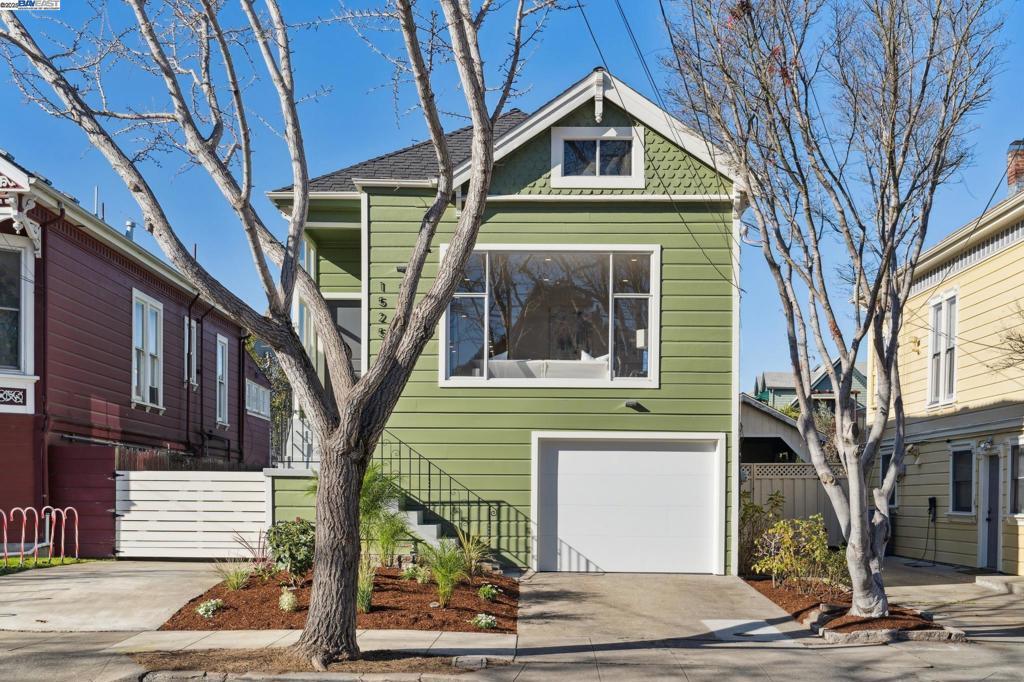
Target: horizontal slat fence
<point>189,514</point>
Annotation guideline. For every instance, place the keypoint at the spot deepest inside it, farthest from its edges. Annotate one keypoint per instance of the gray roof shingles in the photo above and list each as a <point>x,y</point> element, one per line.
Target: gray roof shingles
<point>416,162</point>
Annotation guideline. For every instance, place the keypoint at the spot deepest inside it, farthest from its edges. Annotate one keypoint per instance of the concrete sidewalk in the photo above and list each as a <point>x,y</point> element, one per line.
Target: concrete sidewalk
<point>101,596</point>
<point>413,641</point>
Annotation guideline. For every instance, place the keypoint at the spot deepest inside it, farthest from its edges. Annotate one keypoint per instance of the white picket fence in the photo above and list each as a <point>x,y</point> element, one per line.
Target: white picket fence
<point>190,514</point>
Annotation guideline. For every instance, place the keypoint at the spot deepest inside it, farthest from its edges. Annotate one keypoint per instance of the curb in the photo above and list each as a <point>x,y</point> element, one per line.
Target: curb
<point>819,617</point>
<point>460,663</point>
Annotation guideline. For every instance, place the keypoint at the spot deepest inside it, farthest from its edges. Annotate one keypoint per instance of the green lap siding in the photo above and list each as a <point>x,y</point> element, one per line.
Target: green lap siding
<point>482,436</point>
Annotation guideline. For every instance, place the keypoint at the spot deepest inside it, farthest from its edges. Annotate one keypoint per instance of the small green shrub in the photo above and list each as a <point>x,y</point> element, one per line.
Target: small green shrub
<point>447,566</point>
<point>388,531</point>
<point>796,552</point>
<point>291,547</point>
<point>484,621</point>
<point>364,589</point>
<point>209,607</point>
<point>475,550</point>
<point>234,574</point>
<point>417,572</point>
<point>287,602</point>
<point>488,592</point>
<point>755,519</point>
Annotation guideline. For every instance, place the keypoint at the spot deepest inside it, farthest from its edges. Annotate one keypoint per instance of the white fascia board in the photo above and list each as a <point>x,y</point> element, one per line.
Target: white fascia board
<point>626,98</point>
<point>288,194</point>
<point>613,198</point>
<point>363,183</point>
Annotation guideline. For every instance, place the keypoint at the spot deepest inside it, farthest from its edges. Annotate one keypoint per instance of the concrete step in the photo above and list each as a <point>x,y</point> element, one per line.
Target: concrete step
<point>1004,584</point>
<point>430,533</point>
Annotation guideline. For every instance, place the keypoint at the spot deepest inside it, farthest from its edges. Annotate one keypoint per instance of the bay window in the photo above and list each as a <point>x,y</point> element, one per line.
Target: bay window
<point>12,309</point>
<point>548,315</point>
<point>147,350</point>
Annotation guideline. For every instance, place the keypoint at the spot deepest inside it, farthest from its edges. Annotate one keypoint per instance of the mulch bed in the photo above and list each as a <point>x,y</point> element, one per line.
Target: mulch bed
<point>799,605</point>
<point>397,605</point>
<point>277,661</point>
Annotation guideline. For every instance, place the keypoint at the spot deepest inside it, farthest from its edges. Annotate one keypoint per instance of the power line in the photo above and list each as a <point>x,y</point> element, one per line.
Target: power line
<point>661,181</point>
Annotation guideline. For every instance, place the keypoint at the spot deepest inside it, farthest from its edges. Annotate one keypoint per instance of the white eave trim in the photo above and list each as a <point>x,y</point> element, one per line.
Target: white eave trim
<point>1004,214</point>
<point>288,194</point>
<point>617,92</point>
<point>363,183</point>
<point>610,198</point>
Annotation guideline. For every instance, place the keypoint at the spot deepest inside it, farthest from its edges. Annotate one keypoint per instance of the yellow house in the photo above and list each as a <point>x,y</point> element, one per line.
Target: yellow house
<point>962,498</point>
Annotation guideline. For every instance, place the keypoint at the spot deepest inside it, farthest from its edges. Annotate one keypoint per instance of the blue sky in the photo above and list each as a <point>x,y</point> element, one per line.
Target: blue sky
<point>357,120</point>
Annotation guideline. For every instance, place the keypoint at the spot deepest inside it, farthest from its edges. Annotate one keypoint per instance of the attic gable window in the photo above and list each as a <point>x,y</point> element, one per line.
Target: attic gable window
<point>597,157</point>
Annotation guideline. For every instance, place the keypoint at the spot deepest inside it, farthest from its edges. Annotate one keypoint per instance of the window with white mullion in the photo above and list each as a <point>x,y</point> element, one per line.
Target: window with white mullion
<point>147,350</point>
<point>552,315</point>
<point>942,350</point>
<point>1016,479</point>
<point>222,380</point>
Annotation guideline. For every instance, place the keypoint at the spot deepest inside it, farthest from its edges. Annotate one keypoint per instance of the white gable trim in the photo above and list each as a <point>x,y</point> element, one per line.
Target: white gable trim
<point>617,92</point>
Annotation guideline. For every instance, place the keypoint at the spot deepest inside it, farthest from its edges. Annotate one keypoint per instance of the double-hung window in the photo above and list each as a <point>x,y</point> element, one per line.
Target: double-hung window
<point>192,351</point>
<point>222,380</point>
<point>961,480</point>
<point>257,399</point>
<point>15,282</point>
<point>1016,479</point>
<point>554,316</point>
<point>597,157</point>
<point>147,350</point>
<point>942,351</point>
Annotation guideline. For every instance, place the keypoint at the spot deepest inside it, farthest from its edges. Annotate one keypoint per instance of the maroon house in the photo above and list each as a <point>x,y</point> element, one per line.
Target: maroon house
<point>107,351</point>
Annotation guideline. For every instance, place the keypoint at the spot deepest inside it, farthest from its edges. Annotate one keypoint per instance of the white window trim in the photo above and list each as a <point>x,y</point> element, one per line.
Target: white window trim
<point>943,301</point>
<point>149,302</point>
<point>653,378</point>
<point>192,369</point>
<point>250,411</point>
<point>24,248</point>
<point>24,376</point>
<point>222,341</point>
<point>1009,482</point>
<point>960,447</point>
<point>636,180</point>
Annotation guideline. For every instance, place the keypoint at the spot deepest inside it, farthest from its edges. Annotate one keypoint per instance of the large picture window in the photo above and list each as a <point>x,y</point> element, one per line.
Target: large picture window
<point>547,315</point>
<point>147,350</point>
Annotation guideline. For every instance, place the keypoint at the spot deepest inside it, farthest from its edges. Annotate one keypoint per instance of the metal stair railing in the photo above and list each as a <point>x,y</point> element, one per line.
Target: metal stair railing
<point>502,525</point>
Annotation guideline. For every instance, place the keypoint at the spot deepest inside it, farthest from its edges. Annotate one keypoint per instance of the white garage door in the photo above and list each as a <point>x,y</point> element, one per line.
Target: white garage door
<point>629,505</point>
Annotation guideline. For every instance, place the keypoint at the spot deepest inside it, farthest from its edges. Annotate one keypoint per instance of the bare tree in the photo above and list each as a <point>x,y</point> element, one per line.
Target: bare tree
<point>204,69</point>
<point>842,118</point>
<point>1011,344</point>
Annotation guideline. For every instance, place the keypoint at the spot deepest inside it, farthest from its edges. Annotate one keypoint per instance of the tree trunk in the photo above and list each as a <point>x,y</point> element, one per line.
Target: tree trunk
<point>330,631</point>
<point>869,599</point>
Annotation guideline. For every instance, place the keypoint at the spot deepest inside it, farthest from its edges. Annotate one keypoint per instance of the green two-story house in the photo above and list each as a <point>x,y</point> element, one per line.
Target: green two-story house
<point>576,406</point>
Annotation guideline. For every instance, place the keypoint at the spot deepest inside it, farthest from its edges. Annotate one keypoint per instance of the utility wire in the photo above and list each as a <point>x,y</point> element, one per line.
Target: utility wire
<point>661,182</point>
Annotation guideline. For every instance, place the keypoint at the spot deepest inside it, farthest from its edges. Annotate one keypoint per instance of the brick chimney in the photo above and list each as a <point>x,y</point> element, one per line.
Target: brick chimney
<point>1015,167</point>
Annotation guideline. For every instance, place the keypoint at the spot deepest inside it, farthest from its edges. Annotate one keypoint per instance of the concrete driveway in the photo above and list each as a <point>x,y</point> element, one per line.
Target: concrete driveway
<point>643,607</point>
<point>100,596</point>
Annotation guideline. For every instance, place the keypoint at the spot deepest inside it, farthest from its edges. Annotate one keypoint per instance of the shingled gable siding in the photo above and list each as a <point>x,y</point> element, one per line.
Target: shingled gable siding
<point>481,436</point>
<point>669,170</point>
